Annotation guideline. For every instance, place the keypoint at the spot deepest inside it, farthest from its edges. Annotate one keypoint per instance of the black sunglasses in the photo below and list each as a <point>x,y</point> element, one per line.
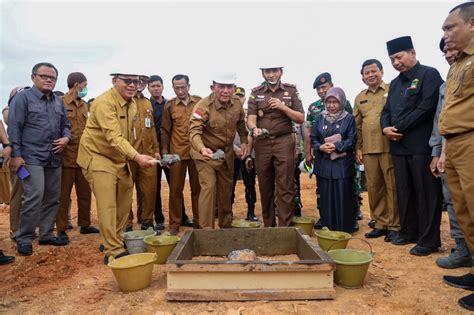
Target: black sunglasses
<point>130,81</point>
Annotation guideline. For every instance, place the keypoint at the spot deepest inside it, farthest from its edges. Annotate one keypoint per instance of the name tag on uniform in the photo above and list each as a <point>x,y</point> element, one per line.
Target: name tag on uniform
<point>287,97</point>
<point>363,102</point>
<point>122,117</point>
<point>147,122</point>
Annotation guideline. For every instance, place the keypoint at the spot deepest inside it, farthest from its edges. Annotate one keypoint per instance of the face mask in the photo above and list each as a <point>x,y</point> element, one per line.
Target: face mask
<point>82,93</point>
<point>272,82</point>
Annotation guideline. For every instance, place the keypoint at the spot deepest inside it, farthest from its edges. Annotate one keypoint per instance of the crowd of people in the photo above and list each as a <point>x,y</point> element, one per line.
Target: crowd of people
<point>413,136</point>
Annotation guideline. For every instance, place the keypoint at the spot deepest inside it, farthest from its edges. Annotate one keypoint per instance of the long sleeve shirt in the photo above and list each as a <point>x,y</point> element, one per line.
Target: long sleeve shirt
<point>410,107</point>
<point>35,121</point>
<point>436,139</point>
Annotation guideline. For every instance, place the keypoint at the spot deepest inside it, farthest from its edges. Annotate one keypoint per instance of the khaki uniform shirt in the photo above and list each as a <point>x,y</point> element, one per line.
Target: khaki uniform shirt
<point>213,125</point>
<point>274,120</point>
<point>367,109</point>
<point>457,115</point>
<point>77,113</point>
<point>175,127</point>
<point>105,143</point>
<point>144,138</point>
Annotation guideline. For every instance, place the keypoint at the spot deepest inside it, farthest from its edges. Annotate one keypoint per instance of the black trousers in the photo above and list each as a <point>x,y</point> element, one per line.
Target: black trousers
<point>420,198</point>
<point>249,182</point>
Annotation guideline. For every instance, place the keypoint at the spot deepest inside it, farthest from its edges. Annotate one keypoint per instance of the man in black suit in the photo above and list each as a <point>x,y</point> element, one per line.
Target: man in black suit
<point>407,121</point>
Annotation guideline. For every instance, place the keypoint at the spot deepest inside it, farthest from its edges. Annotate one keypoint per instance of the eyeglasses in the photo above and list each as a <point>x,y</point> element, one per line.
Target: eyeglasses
<point>46,77</point>
<point>130,81</point>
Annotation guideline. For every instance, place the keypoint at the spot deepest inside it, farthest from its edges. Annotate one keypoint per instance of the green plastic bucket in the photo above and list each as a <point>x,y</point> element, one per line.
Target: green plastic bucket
<point>332,239</point>
<point>245,224</point>
<point>162,245</point>
<point>351,266</point>
<point>306,223</point>
<point>134,240</point>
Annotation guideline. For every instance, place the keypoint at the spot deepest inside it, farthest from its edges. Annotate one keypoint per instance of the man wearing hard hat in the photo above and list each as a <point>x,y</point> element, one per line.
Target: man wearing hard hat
<point>104,155</point>
<point>274,106</point>
<point>213,125</point>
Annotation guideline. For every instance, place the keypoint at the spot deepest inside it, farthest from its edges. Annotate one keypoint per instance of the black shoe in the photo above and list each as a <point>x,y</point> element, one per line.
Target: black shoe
<point>372,224</point>
<point>101,248</point>
<point>423,250</point>
<point>89,230</point>
<point>360,216</point>
<point>376,233</point>
<point>122,254</point>
<point>129,228</point>
<point>63,236</point>
<point>70,226</point>
<point>467,302</point>
<point>391,235</point>
<point>4,259</point>
<point>319,224</point>
<point>402,241</point>
<point>187,222</point>
<point>25,249</point>
<point>53,241</point>
<point>465,282</point>
<point>146,226</point>
<point>251,217</point>
<point>159,226</point>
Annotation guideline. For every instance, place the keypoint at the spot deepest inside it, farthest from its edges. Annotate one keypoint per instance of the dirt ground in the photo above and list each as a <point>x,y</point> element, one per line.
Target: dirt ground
<point>73,279</point>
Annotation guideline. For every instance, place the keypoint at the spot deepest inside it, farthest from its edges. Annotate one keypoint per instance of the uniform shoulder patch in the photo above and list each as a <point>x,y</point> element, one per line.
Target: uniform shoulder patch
<point>258,88</point>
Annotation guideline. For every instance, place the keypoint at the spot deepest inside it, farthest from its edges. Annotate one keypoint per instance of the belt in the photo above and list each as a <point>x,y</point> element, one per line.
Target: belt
<point>454,135</point>
<point>278,136</point>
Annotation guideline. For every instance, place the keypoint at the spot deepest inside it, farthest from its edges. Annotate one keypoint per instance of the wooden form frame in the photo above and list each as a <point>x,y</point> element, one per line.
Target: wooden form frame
<point>309,278</point>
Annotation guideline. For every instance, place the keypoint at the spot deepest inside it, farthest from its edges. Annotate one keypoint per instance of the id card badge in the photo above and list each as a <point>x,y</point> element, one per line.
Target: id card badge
<point>147,122</point>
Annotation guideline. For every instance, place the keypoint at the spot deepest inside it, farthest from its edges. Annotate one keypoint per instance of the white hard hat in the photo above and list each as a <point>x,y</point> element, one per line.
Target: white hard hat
<point>225,78</point>
<point>271,65</point>
<point>126,72</point>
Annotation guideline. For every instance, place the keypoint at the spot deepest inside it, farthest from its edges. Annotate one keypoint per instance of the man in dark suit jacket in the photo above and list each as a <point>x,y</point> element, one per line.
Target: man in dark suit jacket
<point>407,121</point>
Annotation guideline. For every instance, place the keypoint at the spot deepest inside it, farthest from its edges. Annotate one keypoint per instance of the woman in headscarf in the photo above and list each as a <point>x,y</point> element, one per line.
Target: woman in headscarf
<point>333,137</point>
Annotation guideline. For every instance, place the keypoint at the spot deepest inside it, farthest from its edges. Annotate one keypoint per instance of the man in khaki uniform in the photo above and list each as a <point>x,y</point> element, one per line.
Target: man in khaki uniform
<point>213,125</point>
<point>71,174</point>
<point>175,140</point>
<point>456,124</point>
<point>16,185</point>
<point>372,150</point>
<point>274,106</point>
<point>105,152</point>
<point>145,141</point>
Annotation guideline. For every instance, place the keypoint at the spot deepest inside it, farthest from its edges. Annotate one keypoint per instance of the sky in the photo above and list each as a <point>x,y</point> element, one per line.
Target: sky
<point>202,39</point>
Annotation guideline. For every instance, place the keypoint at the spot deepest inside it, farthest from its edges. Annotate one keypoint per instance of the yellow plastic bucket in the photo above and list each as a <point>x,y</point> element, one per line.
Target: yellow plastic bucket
<point>245,224</point>
<point>133,272</point>
<point>306,223</point>
<point>162,245</point>
<point>336,239</point>
<point>351,266</point>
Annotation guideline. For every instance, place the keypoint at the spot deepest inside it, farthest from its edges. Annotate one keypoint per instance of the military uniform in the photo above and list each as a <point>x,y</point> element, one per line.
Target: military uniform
<point>275,155</point>
<point>175,140</point>
<point>104,155</point>
<point>213,125</point>
<point>144,140</point>
<point>378,163</point>
<point>456,124</point>
<point>77,112</point>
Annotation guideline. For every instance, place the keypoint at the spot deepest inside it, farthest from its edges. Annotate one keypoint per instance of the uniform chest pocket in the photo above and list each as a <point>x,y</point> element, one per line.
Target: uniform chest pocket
<point>216,125</point>
<point>71,113</point>
<point>58,110</point>
<point>463,79</point>
<point>286,100</point>
<point>36,108</point>
<point>179,118</point>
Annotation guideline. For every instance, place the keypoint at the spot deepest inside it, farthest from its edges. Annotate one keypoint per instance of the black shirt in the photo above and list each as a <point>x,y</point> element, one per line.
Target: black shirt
<point>158,113</point>
<point>410,107</point>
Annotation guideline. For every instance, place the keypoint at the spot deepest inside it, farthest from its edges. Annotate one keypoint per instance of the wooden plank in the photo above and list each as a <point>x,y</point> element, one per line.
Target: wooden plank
<point>249,281</point>
<point>267,266</point>
<point>184,248</point>
<point>249,295</point>
<point>308,249</point>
